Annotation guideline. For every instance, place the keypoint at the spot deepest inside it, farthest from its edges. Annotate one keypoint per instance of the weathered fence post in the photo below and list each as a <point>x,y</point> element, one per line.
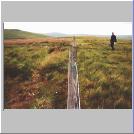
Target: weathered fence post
<point>73,100</point>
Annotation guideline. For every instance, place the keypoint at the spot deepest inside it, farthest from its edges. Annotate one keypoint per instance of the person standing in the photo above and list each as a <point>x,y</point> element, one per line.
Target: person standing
<point>113,40</point>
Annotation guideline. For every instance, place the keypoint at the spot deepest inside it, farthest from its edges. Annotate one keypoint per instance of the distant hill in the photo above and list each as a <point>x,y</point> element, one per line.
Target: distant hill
<point>19,34</point>
<point>55,34</point>
<point>125,37</point>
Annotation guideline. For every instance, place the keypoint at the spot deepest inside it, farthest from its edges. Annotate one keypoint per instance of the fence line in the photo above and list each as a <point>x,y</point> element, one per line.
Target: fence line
<point>73,100</point>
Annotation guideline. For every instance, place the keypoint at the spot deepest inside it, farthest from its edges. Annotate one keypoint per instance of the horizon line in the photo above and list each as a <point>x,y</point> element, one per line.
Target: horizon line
<point>66,33</point>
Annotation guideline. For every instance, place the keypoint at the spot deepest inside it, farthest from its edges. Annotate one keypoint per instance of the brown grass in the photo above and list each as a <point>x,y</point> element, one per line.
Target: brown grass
<point>37,40</point>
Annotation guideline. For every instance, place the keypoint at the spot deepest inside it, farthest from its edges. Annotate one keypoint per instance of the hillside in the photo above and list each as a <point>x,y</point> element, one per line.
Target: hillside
<point>19,34</point>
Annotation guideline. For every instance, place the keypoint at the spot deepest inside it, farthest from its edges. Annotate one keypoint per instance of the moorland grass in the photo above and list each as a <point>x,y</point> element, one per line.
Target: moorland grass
<point>35,76</point>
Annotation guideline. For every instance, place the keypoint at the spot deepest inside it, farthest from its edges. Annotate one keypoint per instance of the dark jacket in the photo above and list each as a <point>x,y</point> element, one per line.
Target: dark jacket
<point>113,38</point>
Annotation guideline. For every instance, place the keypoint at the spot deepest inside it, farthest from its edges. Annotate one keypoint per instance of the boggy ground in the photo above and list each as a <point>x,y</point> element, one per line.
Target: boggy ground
<point>35,75</point>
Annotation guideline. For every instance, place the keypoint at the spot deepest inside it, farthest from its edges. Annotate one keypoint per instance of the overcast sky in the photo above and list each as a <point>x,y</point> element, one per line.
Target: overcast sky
<point>92,28</point>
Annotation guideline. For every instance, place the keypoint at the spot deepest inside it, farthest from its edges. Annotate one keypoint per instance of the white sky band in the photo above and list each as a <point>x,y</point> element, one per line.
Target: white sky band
<point>91,28</point>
